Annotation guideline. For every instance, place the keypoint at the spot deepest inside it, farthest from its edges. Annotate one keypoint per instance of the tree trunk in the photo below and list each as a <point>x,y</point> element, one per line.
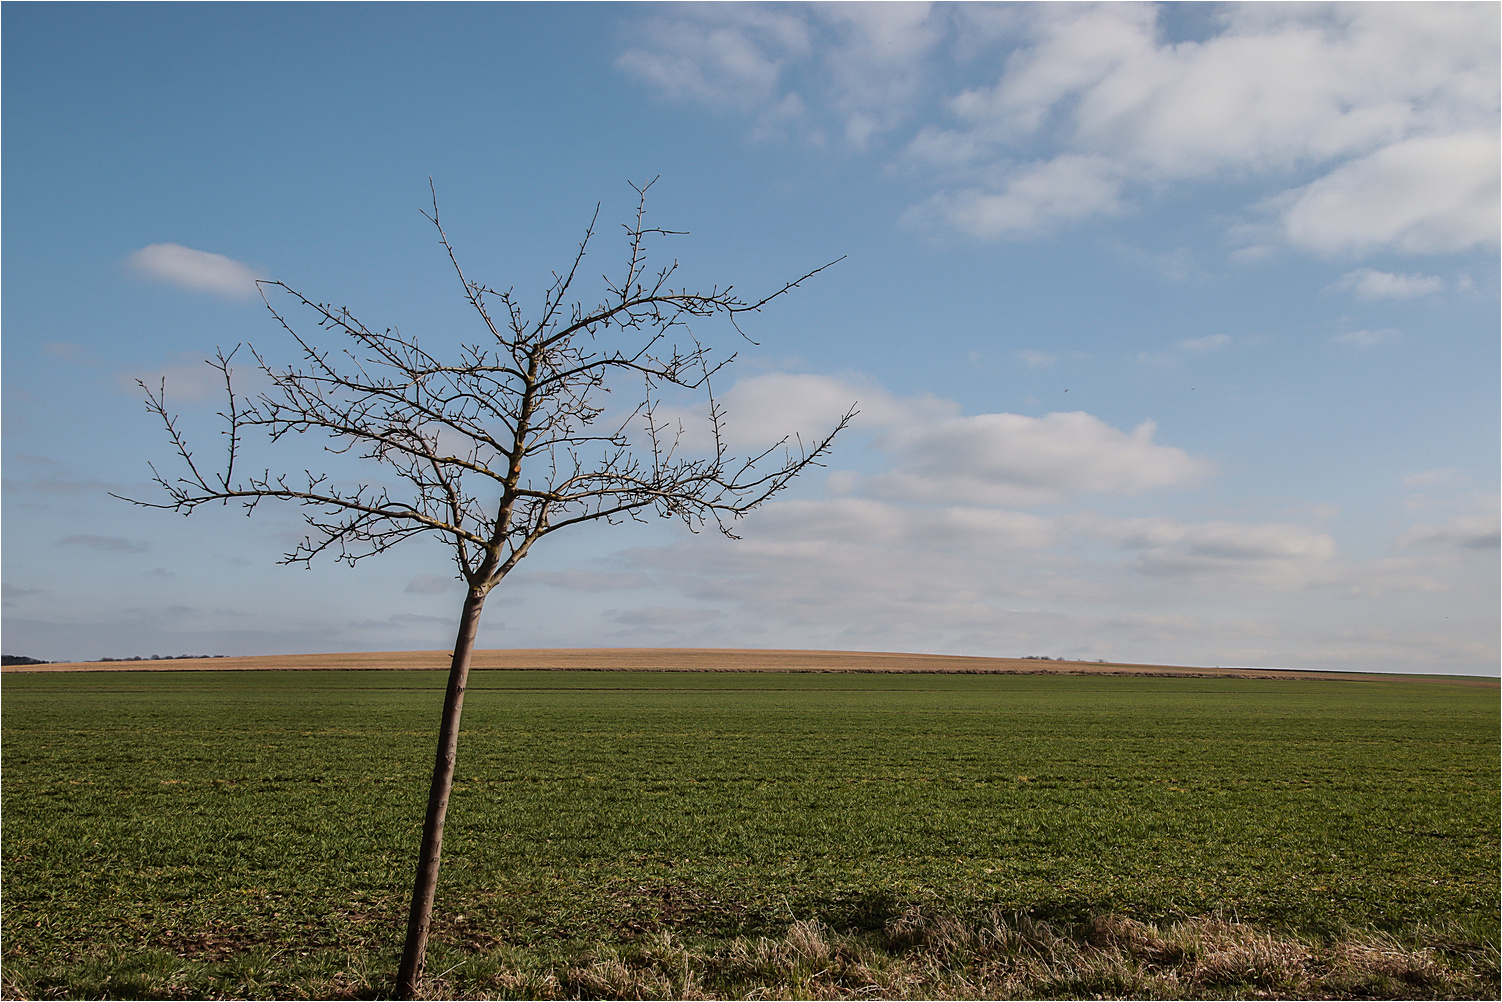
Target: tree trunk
<point>421,913</point>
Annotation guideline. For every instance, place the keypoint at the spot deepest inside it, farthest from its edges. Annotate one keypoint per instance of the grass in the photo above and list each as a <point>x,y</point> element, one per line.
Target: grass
<point>189,834</point>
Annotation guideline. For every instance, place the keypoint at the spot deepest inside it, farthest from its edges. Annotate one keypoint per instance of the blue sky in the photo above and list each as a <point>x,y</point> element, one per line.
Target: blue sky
<point>1173,329</point>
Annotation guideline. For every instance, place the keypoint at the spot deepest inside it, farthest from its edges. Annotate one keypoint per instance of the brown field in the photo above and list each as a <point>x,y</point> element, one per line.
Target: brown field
<point>705,659</point>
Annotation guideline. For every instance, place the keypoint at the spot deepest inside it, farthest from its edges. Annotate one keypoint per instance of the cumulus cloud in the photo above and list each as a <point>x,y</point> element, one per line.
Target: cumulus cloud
<point>930,544</point>
<point>201,271</point>
<point>861,573</point>
<point>1425,195</point>
<point>1370,284</point>
<point>1018,460</point>
<point>1374,125</point>
<point>772,405</point>
<point>938,454</point>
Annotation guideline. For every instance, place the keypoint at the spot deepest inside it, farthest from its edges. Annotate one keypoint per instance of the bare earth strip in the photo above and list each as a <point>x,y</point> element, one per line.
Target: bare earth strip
<point>704,659</point>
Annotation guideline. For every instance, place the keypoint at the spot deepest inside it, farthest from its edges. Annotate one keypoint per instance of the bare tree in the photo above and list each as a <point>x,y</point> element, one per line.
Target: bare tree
<point>507,443</point>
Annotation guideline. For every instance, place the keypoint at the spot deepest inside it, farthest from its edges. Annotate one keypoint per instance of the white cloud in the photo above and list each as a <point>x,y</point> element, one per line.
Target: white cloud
<point>1038,359</point>
<point>1407,96</point>
<point>762,409</point>
<point>199,270</point>
<point>1366,338</point>
<point>1031,200</point>
<point>1370,284</point>
<point>733,56</point>
<point>1447,477</point>
<point>937,454</point>
<point>65,351</point>
<point>1473,531</point>
<point>1200,345</point>
<point>926,542</point>
<point>863,63</point>
<point>864,521</point>
<point>1017,460</point>
<point>190,378</point>
<point>879,63</point>
<point>1426,195</point>
<point>1379,120</point>
<point>860,573</point>
<point>1192,345</point>
<point>1172,547</point>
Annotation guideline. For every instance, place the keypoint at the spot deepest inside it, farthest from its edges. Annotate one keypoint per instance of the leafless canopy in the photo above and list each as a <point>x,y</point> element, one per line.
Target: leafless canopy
<point>510,441</point>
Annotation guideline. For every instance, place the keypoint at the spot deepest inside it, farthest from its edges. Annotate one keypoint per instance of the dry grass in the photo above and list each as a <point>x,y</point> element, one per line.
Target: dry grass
<point>918,955</point>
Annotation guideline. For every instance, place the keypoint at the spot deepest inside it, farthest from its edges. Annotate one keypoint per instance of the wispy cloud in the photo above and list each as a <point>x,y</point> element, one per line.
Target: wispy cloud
<point>1190,345</point>
<point>190,378</point>
<point>1474,531</point>
<point>1369,284</point>
<point>201,271</point>
<point>64,351</point>
<point>398,620</point>
<point>1366,338</point>
<point>8,590</point>
<point>1027,119</point>
<point>662,616</point>
<point>105,544</point>
<point>583,580</point>
<point>1446,477</point>
<point>838,74</point>
<point>431,584</point>
<point>1200,345</point>
<point>1032,200</point>
<point>1038,359</point>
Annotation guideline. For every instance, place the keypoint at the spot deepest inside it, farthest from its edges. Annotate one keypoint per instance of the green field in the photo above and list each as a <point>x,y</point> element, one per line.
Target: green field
<point>255,833</point>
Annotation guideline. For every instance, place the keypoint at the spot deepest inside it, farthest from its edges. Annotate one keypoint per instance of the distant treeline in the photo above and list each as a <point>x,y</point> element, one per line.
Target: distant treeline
<point>17,659</point>
<point>164,657</point>
<point>1045,657</point>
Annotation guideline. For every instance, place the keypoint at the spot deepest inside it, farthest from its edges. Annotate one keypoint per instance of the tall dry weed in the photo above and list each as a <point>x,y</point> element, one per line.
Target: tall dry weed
<point>921,954</point>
